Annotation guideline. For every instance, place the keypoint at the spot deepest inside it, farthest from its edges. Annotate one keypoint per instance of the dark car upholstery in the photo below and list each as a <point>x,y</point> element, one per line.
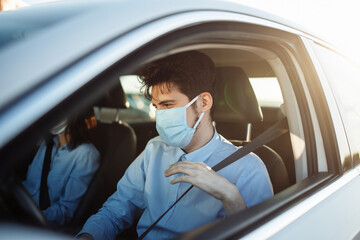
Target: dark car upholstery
<point>236,106</point>
<point>116,142</point>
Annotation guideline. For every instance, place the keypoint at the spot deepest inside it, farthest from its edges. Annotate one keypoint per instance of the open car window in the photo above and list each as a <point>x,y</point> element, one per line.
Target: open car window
<point>268,91</point>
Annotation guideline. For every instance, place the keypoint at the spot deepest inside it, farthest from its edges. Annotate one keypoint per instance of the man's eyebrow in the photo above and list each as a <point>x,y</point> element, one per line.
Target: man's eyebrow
<point>165,102</point>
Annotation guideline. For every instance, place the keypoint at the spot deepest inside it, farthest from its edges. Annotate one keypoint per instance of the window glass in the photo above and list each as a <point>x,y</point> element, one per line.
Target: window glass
<point>344,79</point>
<point>137,101</point>
<point>267,91</point>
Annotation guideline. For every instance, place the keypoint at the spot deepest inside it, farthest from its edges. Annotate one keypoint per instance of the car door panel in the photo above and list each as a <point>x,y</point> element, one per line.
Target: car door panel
<point>330,208</point>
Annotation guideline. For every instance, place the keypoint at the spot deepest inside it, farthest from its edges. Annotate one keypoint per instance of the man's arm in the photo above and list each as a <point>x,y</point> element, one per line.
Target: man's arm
<point>254,183</point>
<point>203,177</point>
<point>118,211</point>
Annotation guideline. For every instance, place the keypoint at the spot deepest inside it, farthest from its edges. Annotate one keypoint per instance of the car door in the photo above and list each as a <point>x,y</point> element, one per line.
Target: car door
<point>328,196</point>
<point>314,125</point>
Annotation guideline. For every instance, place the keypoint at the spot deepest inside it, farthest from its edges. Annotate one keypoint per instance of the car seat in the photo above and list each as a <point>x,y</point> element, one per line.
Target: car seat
<point>236,108</point>
<point>116,142</point>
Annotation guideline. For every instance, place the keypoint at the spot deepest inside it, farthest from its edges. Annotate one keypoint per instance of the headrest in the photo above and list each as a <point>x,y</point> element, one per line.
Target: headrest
<point>235,99</point>
<point>114,98</point>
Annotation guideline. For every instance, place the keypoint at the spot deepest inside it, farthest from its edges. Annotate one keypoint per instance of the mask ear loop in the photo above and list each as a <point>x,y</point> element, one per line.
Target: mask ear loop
<point>198,121</point>
<point>192,101</point>
<point>201,115</point>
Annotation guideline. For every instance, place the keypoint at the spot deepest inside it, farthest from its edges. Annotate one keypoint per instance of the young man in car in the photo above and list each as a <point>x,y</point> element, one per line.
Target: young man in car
<point>182,89</point>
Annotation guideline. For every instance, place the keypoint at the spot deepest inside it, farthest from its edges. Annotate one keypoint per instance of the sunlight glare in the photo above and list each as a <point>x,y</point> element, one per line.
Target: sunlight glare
<point>334,21</point>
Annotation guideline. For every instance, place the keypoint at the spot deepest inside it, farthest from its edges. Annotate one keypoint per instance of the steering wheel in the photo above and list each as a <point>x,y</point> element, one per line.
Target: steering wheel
<point>20,199</point>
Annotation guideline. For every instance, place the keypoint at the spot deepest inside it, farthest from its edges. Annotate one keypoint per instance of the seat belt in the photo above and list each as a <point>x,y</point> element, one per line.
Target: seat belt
<point>270,134</point>
<point>44,199</point>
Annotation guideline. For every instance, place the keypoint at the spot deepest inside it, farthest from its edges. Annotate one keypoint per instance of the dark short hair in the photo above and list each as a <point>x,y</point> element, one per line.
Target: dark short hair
<point>193,72</point>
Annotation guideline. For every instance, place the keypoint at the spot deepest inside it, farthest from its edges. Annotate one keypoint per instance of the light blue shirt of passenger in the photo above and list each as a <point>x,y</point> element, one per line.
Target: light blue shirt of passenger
<point>145,191</point>
<point>70,174</point>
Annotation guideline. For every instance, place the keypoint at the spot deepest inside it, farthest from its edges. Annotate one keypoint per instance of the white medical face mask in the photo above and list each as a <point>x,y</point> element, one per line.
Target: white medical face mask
<point>172,126</point>
<point>59,129</point>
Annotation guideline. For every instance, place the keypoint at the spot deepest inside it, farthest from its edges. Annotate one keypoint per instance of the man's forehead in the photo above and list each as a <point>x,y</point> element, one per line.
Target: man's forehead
<point>164,90</point>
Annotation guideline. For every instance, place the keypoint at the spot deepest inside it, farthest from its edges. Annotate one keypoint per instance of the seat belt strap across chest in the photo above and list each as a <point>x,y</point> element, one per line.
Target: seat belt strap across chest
<point>270,134</point>
<point>44,199</point>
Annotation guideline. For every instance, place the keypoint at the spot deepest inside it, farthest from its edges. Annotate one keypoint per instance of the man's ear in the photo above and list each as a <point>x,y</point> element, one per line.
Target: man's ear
<point>206,101</point>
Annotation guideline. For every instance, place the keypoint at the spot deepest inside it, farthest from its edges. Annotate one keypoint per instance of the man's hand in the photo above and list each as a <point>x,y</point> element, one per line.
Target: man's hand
<point>203,177</point>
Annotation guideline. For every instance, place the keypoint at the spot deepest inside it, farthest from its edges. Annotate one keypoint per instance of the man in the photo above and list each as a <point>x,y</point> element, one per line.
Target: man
<point>181,88</point>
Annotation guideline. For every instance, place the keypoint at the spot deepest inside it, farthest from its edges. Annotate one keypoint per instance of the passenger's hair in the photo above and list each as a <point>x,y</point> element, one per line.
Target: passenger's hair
<point>78,128</point>
<point>193,72</point>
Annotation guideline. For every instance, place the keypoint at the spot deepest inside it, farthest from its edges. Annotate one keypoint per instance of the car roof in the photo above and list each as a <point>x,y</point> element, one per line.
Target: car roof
<point>41,40</point>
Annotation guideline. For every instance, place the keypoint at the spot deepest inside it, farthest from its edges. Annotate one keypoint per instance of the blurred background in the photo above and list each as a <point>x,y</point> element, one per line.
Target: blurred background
<point>336,21</point>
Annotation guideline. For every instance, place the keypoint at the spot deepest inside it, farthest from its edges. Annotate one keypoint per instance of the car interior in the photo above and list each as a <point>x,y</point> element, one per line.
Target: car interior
<point>237,116</point>
<point>122,133</point>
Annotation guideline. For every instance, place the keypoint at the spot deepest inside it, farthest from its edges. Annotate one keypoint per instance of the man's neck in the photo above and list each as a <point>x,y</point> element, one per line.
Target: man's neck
<point>202,136</point>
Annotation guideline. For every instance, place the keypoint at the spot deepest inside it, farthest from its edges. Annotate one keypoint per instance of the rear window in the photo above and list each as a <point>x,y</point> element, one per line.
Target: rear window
<point>267,91</point>
<point>137,101</point>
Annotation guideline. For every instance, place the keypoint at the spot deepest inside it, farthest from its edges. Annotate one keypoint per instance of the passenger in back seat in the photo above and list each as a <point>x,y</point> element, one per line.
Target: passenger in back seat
<point>181,87</point>
<point>73,163</point>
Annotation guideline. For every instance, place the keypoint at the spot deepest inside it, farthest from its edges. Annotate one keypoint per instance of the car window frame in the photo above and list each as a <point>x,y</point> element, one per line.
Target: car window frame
<point>348,155</point>
<point>274,206</point>
<point>332,126</point>
<point>315,181</point>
